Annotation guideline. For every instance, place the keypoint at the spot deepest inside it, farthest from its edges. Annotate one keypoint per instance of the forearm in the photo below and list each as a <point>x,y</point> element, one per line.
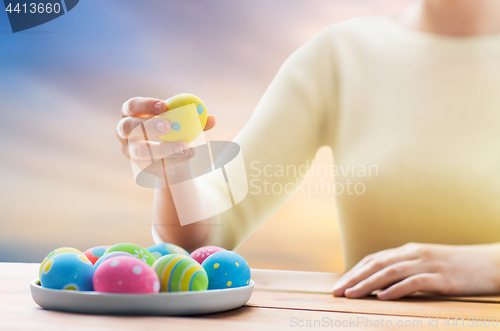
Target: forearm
<point>492,254</point>
<point>167,225</point>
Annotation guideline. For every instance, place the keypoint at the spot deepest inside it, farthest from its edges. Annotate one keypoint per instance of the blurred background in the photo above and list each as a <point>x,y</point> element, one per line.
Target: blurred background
<point>64,181</point>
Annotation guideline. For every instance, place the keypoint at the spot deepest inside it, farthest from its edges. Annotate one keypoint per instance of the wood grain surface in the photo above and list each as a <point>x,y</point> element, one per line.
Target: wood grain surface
<point>271,307</point>
<point>322,282</point>
<point>370,305</point>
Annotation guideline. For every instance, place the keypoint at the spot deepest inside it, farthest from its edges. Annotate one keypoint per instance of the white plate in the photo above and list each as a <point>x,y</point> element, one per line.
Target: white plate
<point>174,303</point>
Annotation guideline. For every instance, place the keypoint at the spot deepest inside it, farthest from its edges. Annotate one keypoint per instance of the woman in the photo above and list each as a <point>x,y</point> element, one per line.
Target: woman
<point>416,95</point>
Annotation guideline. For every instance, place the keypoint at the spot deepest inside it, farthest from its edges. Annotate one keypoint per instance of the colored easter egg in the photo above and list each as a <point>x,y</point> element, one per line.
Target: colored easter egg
<point>226,269</point>
<point>136,250</point>
<point>180,273</point>
<point>68,271</point>
<point>187,115</point>
<point>54,253</point>
<point>125,274</point>
<point>94,253</point>
<point>165,249</point>
<point>110,255</point>
<point>202,253</point>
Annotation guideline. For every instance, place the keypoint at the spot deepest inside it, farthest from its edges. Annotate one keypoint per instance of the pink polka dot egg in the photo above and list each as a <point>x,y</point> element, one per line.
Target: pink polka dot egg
<point>109,256</point>
<point>124,274</point>
<point>202,253</point>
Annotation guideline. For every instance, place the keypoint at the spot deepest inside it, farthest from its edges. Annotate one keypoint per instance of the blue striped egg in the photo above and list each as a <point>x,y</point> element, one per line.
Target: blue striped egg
<point>180,273</point>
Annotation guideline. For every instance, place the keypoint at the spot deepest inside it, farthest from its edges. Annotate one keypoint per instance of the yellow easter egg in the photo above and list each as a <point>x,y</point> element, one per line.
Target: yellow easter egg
<point>57,252</point>
<point>187,115</point>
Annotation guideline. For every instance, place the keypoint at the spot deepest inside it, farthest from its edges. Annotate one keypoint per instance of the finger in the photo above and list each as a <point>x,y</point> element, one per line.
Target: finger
<point>170,161</point>
<point>210,123</point>
<point>155,127</point>
<point>384,278</point>
<point>364,271</point>
<point>154,151</point>
<point>422,282</point>
<point>342,284</point>
<point>143,107</point>
<point>158,168</point>
<point>122,140</point>
<point>131,127</point>
<point>350,272</point>
<point>360,264</point>
<point>161,150</point>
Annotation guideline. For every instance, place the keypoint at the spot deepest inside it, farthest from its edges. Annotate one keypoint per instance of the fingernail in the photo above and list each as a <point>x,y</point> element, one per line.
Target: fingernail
<point>179,150</point>
<point>160,126</point>
<point>159,107</point>
<point>349,292</point>
<point>382,295</point>
<point>336,286</point>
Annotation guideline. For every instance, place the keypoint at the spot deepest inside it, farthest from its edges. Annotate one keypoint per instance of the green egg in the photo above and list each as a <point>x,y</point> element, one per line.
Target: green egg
<point>137,251</point>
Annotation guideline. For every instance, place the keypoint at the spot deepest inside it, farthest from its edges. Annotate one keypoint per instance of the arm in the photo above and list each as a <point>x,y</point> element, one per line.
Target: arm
<point>292,121</point>
<point>140,111</point>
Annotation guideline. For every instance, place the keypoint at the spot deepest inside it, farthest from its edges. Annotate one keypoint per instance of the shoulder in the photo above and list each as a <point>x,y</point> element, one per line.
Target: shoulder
<point>368,29</point>
<point>357,29</point>
<point>325,45</point>
<point>322,53</point>
<point>361,23</point>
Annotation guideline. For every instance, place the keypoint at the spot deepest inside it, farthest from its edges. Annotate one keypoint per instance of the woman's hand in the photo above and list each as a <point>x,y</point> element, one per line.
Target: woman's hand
<point>137,114</point>
<point>441,269</point>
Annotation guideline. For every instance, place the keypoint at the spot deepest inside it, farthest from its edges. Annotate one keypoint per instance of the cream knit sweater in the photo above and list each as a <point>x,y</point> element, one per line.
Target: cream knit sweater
<point>423,109</point>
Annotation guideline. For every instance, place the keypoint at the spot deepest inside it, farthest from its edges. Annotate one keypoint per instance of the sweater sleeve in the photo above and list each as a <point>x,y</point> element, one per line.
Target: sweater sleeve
<point>294,118</point>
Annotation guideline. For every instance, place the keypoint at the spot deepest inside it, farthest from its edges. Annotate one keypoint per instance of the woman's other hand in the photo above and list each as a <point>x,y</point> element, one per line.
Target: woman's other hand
<point>441,269</point>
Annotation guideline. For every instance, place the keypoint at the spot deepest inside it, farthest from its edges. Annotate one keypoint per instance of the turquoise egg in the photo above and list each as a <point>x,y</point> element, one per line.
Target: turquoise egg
<point>68,271</point>
<point>165,249</point>
<point>226,269</point>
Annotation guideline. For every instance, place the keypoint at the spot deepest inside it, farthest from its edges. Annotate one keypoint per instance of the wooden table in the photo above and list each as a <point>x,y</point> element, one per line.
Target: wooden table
<point>282,300</point>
